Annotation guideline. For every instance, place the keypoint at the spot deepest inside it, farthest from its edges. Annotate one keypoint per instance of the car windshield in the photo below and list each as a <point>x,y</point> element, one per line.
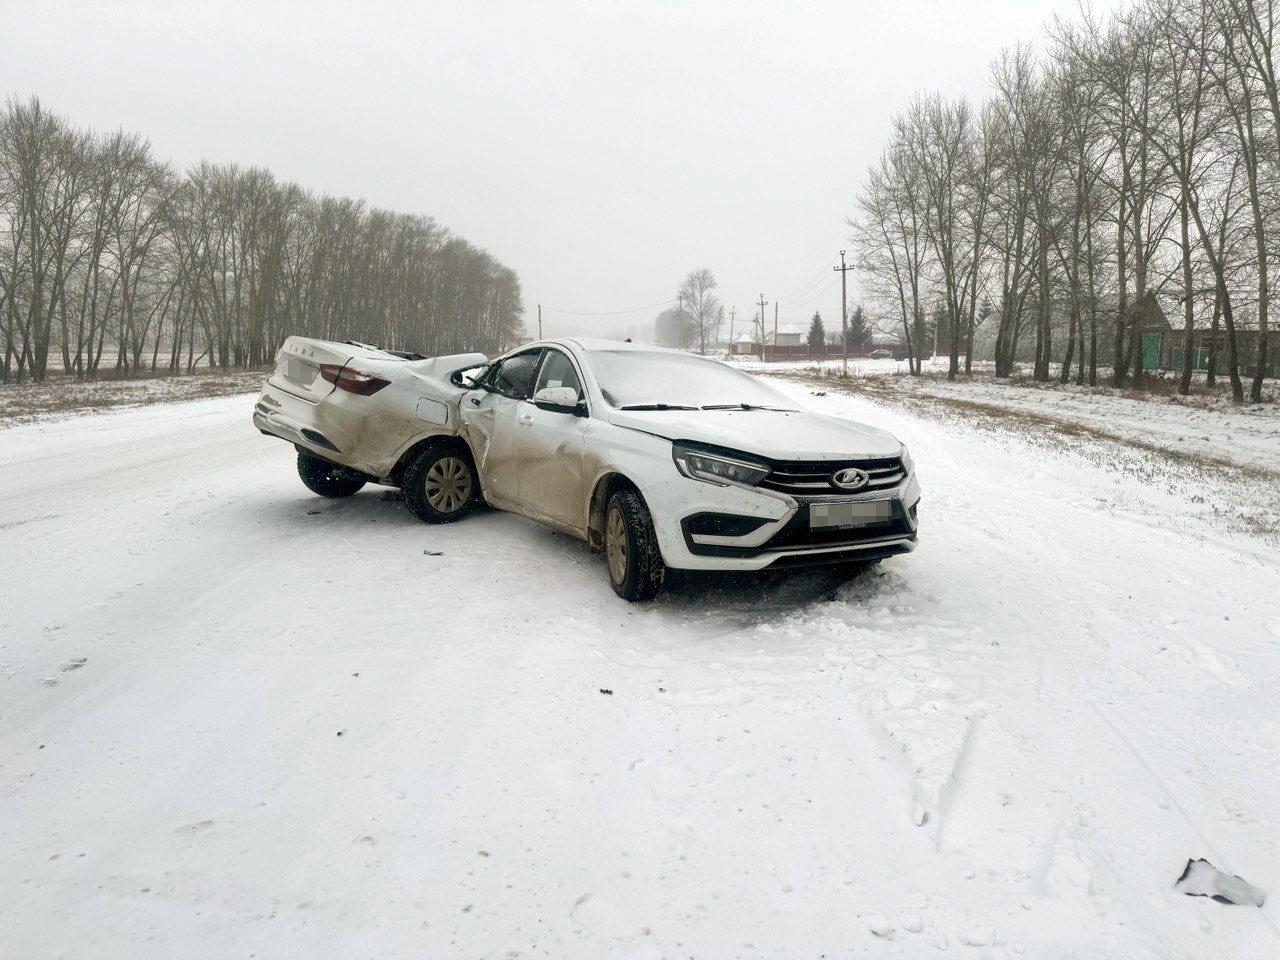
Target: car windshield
<point>662,380</point>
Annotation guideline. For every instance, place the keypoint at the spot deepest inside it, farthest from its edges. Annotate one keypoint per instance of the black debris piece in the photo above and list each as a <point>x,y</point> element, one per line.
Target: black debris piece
<point>1200,878</point>
<point>607,693</point>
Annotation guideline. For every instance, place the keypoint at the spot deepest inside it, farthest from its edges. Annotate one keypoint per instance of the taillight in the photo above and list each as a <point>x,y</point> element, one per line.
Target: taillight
<point>352,381</point>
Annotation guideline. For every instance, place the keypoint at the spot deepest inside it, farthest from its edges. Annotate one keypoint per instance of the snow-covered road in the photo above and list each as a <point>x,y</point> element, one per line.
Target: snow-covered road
<point>236,720</point>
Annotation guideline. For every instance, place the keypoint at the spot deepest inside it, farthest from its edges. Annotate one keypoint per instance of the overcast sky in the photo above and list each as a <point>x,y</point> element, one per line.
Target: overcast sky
<point>600,149</point>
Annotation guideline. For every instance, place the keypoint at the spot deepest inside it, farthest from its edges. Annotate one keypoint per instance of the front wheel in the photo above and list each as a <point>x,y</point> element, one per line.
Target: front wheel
<point>440,485</point>
<point>325,478</point>
<point>636,570</point>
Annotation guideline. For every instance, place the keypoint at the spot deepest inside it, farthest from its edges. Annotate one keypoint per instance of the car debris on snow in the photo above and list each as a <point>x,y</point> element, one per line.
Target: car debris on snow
<point>1200,878</point>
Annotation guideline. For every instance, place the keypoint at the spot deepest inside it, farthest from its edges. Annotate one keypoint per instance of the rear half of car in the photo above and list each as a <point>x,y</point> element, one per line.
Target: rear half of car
<point>314,397</point>
<point>360,414</point>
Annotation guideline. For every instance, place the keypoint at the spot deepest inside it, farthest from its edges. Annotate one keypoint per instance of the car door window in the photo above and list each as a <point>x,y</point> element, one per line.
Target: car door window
<point>513,377</point>
<point>558,371</point>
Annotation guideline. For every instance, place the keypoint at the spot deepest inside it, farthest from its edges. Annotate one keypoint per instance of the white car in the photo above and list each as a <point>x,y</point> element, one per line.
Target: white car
<point>659,458</point>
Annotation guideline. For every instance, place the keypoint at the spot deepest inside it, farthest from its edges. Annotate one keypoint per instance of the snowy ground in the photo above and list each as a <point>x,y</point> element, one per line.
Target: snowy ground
<point>238,721</point>
<point>58,398</point>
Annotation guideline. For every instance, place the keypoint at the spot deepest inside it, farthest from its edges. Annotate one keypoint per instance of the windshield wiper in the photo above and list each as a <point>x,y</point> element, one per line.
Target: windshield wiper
<point>746,406</point>
<point>656,406</point>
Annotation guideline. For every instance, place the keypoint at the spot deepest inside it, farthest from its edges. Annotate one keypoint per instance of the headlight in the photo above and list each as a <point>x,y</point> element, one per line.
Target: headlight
<point>907,463</point>
<point>716,468</point>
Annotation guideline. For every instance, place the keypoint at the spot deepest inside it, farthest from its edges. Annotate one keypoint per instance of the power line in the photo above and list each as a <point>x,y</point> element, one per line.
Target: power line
<point>821,273</point>
<point>816,295</point>
<point>614,313</point>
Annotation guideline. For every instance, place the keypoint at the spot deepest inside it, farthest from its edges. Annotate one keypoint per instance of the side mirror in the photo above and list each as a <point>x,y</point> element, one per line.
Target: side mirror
<point>559,399</point>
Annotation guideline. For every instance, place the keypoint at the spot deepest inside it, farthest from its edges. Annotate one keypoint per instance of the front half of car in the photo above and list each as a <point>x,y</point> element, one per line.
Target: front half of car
<point>739,478</point>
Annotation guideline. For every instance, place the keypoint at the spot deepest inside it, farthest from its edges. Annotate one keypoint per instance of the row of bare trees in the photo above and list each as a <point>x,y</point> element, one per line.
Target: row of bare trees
<point>112,261</point>
<point>1135,163</point>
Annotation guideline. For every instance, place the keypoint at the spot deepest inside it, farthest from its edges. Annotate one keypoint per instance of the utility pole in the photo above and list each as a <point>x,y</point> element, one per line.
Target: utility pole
<point>539,321</point>
<point>763,303</point>
<point>733,312</point>
<point>844,313</point>
<point>775,326</point>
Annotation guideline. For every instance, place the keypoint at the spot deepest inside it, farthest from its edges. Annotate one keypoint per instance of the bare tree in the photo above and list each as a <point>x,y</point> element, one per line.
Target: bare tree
<point>701,305</point>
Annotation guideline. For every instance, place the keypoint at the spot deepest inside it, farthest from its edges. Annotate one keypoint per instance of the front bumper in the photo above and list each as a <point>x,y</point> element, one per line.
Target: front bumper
<point>704,527</point>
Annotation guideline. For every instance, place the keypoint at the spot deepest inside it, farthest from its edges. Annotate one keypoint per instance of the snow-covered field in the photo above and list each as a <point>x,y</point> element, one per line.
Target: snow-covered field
<point>1247,436</point>
<point>1200,426</point>
<point>237,721</point>
<point>56,398</point>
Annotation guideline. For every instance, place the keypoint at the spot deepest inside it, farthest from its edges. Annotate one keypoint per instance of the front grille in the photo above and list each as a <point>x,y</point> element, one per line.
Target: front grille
<point>811,478</point>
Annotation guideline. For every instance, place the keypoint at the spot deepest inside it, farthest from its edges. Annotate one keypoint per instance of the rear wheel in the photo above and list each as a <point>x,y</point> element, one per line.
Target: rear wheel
<point>440,485</point>
<point>325,478</point>
<point>636,570</point>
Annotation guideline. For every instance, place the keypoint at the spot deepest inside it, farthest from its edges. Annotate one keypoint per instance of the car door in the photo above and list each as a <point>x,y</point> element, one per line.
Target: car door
<point>489,416</point>
<point>549,449</point>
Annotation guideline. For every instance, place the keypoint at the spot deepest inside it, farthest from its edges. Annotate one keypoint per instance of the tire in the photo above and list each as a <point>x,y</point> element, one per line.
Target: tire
<point>632,558</point>
<point>440,486</point>
<point>325,478</point>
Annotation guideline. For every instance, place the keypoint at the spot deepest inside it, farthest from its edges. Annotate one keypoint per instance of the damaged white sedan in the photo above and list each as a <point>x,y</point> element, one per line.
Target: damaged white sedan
<point>659,458</point>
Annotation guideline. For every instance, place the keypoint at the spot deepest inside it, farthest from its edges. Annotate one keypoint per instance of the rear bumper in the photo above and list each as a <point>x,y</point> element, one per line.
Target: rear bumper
<point>277,417</point>
<point>339,427</point>
<point>704,527</point>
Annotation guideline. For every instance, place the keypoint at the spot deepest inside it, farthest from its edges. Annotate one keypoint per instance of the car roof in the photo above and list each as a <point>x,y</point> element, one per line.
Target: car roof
<point>595,343</point>
<point>599,343</point>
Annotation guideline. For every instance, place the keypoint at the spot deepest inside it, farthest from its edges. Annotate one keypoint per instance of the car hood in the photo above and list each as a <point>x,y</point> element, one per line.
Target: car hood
<point>776,434</point>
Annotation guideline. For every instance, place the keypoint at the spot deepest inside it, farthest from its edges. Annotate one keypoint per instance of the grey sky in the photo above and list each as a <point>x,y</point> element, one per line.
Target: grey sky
<point>600,149</point>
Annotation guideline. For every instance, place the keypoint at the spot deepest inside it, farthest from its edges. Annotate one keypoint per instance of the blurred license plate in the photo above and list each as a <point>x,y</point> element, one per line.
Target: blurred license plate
<point>299,371</point>
<point>827,516</point>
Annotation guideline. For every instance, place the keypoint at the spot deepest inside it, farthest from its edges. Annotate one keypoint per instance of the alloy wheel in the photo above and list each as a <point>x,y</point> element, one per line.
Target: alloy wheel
<point>448,484</point>
<point>615,545</point>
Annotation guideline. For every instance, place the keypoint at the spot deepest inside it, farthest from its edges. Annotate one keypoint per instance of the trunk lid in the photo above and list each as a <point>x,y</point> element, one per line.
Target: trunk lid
<point>299,360</point>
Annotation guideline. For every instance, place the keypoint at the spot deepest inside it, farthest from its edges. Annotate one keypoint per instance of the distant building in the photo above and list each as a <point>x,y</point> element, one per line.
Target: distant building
<point>791,339</point>
<point>788,334</point>
<point>1163,344</point>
